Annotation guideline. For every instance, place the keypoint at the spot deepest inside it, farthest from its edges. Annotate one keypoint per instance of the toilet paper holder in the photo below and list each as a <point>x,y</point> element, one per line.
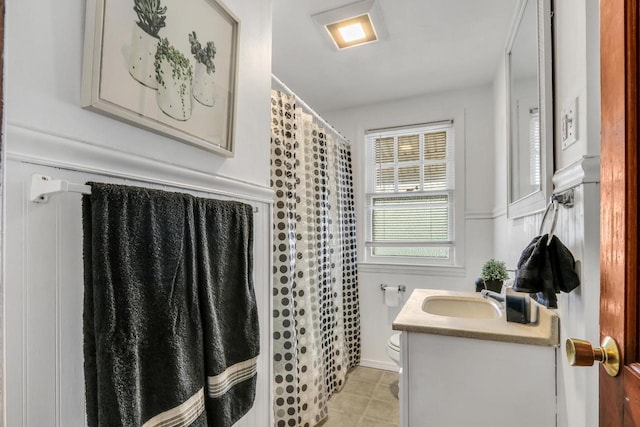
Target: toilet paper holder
<point>401,288</point>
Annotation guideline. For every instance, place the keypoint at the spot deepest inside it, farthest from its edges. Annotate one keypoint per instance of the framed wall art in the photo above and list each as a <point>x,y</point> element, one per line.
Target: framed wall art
<point>169,66</point>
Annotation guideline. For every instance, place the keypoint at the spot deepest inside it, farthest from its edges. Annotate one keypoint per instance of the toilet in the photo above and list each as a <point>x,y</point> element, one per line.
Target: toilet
<point>393,348</point>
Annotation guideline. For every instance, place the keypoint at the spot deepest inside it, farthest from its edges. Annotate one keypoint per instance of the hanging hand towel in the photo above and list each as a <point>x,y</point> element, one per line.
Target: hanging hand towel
<point>148,333</point>
<point>563,266</point>
<point>530,268</point>
<point>544,270</point>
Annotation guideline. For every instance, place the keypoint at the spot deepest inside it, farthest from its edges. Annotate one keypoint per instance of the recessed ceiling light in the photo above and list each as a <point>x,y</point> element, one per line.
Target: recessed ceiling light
<point>352,33</point>
<point>352,25</point>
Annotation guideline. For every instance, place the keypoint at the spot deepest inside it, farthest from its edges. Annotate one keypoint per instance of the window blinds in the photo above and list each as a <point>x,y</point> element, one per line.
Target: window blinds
<point>410,188</point>
<point>534,147</point>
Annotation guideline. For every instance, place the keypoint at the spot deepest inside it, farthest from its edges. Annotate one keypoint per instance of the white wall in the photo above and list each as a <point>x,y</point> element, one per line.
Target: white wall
<point>475,107</point>
<point>576,67</point>
<point>47,132</point>
<point>43,75</point>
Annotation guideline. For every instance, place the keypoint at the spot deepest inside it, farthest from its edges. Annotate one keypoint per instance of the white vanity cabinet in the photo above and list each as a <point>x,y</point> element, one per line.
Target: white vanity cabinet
<point>464,365</point>
<point>450,381</point>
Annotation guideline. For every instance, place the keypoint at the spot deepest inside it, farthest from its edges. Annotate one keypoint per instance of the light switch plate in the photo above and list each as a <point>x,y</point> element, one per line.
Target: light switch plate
<point>569,123</point>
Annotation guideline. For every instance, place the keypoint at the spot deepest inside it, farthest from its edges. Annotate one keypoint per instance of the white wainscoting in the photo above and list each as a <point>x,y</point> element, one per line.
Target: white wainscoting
<point>377,318</point>
<point>579,230</point>
<point>44,297</point>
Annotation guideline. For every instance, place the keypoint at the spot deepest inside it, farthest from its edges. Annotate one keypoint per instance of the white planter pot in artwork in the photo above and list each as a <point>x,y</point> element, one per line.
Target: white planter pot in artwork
<point>203,85</point>
<point>174,93</point>
<point>142,57</point>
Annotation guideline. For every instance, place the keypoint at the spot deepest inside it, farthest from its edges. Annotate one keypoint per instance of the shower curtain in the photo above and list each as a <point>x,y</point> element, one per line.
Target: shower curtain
<point>315,293</point>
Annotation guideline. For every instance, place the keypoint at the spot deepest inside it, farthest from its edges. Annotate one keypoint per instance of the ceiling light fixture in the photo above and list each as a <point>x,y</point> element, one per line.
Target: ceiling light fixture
<point>353,24</point>
<point>352,33</point>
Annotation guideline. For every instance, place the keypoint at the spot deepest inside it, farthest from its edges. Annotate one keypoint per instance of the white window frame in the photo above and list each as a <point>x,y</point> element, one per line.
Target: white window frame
<point>455,136</point>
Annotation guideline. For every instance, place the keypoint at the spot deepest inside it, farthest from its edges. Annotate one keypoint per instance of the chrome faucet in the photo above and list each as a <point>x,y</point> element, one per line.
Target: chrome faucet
<point>486,293</point>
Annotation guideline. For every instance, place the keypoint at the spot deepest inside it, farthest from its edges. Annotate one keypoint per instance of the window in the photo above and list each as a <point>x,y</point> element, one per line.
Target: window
<point>534,148</point>
<point>410,194</point>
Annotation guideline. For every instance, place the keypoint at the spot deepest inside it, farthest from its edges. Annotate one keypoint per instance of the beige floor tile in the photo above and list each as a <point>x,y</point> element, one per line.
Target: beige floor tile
<point>369,375</point>
<point>389,377</point>
<point>370,422</point>
<point>349,403</point>
<point>386,392</point>
<point>368,399</point>
<point>341,419</point>
<point>358,387</point>
<point>383,411</point>
<point>395,390</point>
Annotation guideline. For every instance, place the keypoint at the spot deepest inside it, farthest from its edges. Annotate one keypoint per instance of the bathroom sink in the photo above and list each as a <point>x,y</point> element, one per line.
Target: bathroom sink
<point>461,306</point>
<point>468,315</point>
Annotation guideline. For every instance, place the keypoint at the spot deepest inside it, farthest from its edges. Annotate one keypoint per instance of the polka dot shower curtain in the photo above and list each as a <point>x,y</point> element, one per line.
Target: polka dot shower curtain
<point>316,323</point>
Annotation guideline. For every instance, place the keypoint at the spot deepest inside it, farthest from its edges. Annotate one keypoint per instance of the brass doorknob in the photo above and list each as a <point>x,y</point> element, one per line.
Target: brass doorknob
<point>582,353</point>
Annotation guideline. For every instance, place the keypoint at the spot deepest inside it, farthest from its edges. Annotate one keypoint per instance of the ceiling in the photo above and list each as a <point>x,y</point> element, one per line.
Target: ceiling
<point>432,46</point>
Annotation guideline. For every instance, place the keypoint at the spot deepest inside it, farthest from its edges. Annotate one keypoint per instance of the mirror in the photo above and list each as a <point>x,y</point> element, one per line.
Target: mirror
<point>529,111</point>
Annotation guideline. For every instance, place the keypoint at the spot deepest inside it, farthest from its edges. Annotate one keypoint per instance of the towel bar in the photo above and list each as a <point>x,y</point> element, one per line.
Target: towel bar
<point>43,186</point>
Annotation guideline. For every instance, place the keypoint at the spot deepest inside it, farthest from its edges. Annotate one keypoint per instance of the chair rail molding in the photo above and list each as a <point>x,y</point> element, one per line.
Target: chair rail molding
<point>30,145</point>
<point>585,170</point>
<point>478,215</point>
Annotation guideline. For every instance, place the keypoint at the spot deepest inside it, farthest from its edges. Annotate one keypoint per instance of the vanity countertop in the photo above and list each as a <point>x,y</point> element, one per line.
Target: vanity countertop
<point>413,319</point>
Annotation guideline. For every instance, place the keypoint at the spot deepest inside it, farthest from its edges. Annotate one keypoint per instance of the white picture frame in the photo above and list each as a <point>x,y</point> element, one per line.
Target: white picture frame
<point>164,82</point>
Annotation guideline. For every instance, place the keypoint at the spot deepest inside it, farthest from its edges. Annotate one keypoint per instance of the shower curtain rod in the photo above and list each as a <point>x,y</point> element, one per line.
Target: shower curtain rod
<point>300,101</point>
<point>42,187</point>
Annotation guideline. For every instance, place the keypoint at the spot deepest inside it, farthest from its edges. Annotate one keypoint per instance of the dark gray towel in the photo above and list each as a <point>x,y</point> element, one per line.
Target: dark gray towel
<point>224,233</point>
<point>563,266</point>
<point>545,270</point>
<point>169,304</point>
<point>531,267</point>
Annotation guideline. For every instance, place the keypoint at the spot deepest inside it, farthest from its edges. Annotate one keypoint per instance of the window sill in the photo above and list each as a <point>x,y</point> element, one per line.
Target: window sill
<point>412,269</point>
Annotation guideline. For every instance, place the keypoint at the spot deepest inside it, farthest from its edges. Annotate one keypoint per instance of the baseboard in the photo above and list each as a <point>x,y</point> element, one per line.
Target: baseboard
<point>387,366</point>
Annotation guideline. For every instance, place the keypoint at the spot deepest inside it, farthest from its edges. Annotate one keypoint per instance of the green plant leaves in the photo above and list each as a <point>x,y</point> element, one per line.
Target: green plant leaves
<point>180,66</point>
<point>151,16</point>
<point>203,55</point>
<point>494,270</point>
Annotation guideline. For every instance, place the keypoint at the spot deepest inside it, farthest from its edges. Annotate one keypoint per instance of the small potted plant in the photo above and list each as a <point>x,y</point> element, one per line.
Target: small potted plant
<point>204,69</point>
<point>174,75</point>
<point>494,273</point>
<point>144,42</point>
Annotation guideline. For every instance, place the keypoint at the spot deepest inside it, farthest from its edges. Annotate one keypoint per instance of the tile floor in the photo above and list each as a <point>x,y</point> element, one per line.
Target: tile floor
<point>369,398</point>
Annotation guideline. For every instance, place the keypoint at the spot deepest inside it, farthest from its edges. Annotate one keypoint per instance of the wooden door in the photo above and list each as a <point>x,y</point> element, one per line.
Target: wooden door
<point>620,395</point>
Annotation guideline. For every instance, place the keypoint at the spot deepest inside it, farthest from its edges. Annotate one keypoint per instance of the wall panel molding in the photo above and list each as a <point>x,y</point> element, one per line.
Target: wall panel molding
<point>44,296</point>
<point>478,215</point>
<point>498,212</point>
<point>583,171</point>
<point>31,145</point>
